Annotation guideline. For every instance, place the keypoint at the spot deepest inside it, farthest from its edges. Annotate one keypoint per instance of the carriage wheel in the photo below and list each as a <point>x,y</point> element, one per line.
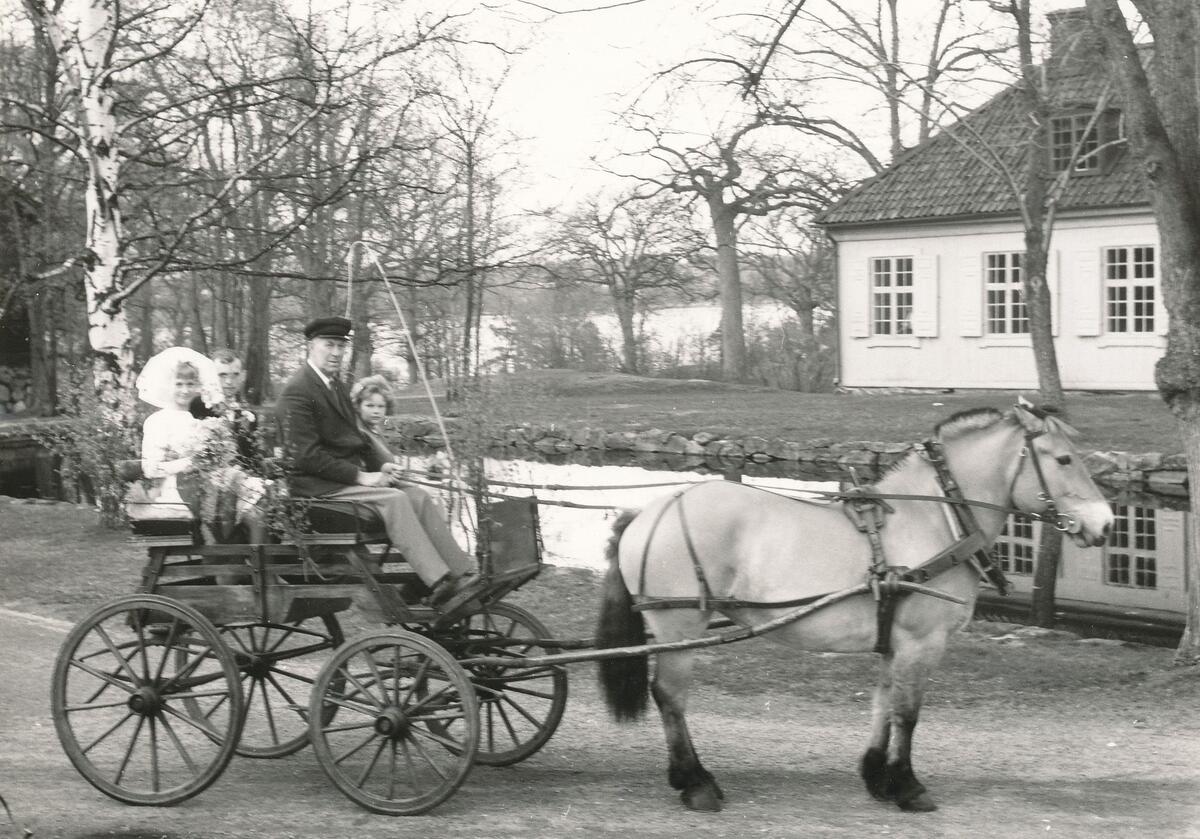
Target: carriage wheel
<point>519,709</point>
<point>392,691</point>
<point>122,686</point>
<point>279,664</point>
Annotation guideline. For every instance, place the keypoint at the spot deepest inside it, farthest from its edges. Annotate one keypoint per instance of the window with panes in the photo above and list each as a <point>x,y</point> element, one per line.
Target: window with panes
<point>1003,296</point>
<point>1130,290</point>
<point>1016,547</point>
<point>1131,558</point>
<point>892,295</point>
<point>1065,133</point>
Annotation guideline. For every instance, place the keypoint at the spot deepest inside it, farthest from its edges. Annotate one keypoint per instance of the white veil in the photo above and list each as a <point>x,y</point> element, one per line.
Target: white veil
<point>156,382</point>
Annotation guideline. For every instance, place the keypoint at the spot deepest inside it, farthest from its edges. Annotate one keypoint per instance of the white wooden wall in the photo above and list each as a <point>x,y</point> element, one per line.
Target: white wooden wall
<point>949,347</point>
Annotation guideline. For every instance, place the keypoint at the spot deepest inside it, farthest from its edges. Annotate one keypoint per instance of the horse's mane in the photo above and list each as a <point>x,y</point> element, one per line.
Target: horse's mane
<point>963,422</point>
<point>978,419</point>
<point>972,419</point>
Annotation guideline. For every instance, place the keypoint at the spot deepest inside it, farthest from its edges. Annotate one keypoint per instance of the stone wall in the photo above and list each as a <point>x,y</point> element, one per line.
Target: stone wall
<point>14,389</point>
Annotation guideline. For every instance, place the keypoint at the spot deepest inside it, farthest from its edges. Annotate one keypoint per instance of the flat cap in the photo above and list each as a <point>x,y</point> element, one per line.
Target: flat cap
<point>334,327</point>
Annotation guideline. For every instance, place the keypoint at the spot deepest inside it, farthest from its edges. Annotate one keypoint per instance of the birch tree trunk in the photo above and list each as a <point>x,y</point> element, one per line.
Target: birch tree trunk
<point>84,35</point>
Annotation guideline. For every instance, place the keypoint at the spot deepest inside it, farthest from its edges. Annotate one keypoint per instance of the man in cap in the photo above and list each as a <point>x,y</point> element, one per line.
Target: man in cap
<point>331,457</point>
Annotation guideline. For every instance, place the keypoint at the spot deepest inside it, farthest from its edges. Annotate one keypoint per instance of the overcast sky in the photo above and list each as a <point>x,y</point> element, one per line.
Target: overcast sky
<point>577,69</point>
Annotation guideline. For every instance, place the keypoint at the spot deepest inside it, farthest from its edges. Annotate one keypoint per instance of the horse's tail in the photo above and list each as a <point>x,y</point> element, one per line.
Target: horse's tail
<point>625,681</point>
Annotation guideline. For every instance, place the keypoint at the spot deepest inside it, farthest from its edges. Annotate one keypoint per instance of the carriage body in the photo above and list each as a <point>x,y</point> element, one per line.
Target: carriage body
<point>239,649</point>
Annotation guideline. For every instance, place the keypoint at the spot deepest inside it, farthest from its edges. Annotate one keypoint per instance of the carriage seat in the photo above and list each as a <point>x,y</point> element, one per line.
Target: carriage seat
<point>327,515</point>
<point>160,519</point>
<point>155,519</point>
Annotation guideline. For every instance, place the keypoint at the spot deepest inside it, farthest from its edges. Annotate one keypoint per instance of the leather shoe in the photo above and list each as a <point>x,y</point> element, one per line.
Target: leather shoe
<point>448,586</point>
<point>467,588</point>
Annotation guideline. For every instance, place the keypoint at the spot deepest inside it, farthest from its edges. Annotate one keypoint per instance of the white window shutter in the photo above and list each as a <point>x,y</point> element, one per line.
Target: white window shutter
<point>1170,540</point>
<point>1161,319</point>
<point>1053,268</point>
<point>925,297</point>
<point>1087,294</point>
<point>856,303</point>
<point>970,296</point>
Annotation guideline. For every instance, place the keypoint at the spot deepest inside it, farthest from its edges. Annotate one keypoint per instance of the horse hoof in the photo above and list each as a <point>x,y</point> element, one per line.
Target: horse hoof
<point>920,804</point>
<point>705,798</point>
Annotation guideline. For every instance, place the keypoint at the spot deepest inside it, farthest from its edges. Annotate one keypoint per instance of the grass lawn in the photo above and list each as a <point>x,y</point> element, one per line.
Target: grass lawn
<point>1131,422</point>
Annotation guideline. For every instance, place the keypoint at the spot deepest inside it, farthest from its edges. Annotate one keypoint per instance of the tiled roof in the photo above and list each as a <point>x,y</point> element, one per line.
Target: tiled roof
<point>946,177</point>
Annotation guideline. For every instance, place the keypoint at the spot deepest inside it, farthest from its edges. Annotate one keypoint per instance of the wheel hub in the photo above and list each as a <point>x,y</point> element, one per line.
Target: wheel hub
<point>257,667</point>
<point>392,723</point>
<point>146,701</point>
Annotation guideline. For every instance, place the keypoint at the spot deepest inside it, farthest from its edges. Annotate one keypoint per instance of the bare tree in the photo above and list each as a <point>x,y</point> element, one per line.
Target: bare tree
<point>34,159</point>
<point>474,144</point>
<point>1163,123</point>
<point>178,135</point>
<point>793,263</point>
<point>734,176</point>
<point>630,247</point>
<point>814,58</point>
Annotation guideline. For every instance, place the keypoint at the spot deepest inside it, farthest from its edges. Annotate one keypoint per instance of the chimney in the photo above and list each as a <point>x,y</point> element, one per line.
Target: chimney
<point>1074,44</point>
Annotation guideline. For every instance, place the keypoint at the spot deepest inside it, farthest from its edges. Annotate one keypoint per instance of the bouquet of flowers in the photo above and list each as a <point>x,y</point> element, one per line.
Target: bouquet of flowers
<point>229,494</point>
<point>214,448</point>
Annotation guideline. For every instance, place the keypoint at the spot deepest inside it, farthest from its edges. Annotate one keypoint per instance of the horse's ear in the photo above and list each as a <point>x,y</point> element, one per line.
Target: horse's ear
<point>1030,418</point>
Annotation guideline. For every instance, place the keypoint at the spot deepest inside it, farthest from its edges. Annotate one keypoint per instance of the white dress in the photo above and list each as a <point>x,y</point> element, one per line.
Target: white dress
<point>169,436</point>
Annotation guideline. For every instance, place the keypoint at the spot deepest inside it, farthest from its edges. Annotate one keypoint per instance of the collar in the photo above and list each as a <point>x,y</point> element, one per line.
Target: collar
<point>324,379</point>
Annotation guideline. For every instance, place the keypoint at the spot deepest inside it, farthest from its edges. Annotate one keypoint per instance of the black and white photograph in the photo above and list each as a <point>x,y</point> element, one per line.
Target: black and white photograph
<point>529,419</point>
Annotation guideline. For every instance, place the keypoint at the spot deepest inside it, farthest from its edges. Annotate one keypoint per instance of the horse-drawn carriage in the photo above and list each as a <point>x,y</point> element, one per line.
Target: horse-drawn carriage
<point>238,648</point>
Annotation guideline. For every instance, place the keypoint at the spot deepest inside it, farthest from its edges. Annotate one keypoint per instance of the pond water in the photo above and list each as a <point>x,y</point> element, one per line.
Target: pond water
<point>577,522</point>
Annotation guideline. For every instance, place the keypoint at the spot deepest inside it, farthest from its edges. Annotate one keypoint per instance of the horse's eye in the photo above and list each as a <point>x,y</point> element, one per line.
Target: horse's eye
<point>1064,459</point>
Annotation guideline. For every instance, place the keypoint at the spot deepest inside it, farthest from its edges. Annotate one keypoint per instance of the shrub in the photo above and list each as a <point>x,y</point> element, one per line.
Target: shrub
<point>91,439</point>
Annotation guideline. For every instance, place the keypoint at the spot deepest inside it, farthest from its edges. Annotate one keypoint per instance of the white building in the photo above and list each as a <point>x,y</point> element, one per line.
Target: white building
<point>929,251</point>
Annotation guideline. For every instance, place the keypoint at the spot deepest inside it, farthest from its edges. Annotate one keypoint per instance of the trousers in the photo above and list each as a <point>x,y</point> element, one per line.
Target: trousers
<point>416,526</point>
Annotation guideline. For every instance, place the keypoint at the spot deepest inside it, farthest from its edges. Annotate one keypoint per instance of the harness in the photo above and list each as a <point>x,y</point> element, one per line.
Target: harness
<point>868,509</point>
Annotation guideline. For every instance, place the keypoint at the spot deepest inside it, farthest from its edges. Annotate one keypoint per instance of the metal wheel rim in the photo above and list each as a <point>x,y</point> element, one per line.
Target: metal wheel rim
<point>519,710</point>
<point>380,749</point>
<point>118,690</point>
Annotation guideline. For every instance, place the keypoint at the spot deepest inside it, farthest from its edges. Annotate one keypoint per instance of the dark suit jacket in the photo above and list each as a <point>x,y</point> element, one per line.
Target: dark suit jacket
<point>322,439</point>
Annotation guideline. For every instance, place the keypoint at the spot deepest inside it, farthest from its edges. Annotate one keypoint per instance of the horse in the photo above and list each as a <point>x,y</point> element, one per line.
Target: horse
<point>753,555</point>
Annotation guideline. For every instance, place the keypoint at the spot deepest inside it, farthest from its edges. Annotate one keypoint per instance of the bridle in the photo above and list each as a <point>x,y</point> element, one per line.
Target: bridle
<point>1062,522</point>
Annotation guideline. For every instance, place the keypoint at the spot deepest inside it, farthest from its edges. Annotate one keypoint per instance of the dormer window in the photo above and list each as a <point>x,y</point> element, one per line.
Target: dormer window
<point>1094,150</point>
<point>1066,133</point>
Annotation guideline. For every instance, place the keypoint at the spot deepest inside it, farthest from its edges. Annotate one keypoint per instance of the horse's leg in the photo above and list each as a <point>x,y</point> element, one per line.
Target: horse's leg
<point>911,666</point>
<point>873,766</point>
<point>697,788</point>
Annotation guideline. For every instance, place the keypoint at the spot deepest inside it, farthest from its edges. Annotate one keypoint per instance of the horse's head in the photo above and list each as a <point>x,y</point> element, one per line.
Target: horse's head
<point>1052,479</point>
